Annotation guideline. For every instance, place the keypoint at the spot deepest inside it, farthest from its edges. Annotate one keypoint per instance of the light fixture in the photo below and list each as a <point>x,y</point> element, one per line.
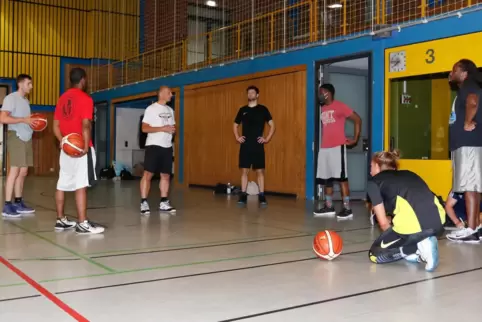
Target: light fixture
<point>211,3</point>
<point>335,6</point>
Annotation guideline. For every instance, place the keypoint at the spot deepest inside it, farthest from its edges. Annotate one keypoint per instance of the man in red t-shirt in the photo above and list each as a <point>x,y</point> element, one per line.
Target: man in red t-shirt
<point>332,164</point>
<point>73,114</point>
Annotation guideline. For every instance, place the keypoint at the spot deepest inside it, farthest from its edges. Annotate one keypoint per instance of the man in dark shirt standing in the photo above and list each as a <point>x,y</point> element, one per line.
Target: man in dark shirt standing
<point>251,153</point>
<point>466,145</point>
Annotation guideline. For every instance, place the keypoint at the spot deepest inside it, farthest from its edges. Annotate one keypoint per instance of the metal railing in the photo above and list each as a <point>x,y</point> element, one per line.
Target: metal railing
<point>288,27</point>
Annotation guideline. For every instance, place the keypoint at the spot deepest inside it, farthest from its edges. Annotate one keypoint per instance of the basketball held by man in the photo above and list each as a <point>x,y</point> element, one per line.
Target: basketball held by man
<point>73,114</point>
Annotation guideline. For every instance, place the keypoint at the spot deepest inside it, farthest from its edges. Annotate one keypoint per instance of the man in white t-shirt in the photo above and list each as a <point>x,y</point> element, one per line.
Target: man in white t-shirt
<point>158,123</point>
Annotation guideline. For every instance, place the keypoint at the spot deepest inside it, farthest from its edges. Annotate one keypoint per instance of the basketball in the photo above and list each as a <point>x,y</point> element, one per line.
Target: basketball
<point>327,245</point>
<point>73,144</point>
<point>41,122</point>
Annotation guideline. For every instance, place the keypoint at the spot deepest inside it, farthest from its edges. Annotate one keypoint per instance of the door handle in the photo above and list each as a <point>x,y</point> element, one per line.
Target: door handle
<point>365,145</point>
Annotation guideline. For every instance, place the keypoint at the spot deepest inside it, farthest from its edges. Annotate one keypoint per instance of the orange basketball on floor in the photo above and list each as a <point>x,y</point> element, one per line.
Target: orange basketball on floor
<point>73,144</point>
<point>327,245</point>
<point>40,122</point>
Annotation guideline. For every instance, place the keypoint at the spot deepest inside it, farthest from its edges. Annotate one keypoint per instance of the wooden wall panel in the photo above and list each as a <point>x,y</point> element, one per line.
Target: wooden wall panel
<point>211,152</point>
<point>45,151</point>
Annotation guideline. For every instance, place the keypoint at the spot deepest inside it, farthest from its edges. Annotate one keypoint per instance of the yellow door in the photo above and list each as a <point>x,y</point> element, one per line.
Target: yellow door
<point>418,102</point>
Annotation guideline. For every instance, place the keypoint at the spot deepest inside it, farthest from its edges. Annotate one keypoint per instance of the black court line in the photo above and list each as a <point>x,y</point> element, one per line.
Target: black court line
<point>197,247</point>
<point>351,295</point>
<point>183,248</point>
<point>201,274</point>
<point>219,245</point>
<point>20,298</point>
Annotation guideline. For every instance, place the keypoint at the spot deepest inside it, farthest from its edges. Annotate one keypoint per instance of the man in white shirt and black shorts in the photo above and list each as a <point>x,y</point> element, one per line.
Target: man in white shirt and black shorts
<point>159,124</point>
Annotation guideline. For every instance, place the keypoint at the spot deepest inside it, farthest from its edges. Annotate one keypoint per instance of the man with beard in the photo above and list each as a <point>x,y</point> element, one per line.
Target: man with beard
<point>466,145</point>
<point>251,153</point>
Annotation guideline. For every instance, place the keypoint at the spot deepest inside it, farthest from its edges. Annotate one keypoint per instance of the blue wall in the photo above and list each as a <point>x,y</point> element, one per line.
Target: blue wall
<point>468,23</point>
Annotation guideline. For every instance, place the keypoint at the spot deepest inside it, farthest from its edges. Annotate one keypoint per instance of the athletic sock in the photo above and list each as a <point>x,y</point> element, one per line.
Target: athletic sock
<point>329,201</point>
<point>164,199</point>
<point>18,200</point>
<point>346,202</point>
<point>143,200</point>
<point>261,194</point>
<point>8,202</point>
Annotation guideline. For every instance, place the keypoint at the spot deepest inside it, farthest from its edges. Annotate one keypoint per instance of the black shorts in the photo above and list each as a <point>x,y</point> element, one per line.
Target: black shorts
<point>158,159</point>
<point>251,155</point>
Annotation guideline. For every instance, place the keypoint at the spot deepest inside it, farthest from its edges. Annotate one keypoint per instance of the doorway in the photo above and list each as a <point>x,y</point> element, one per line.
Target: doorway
<point>129,147</point>
<point>4,91</point>
<point>101,111</point>
<point>351,78</point>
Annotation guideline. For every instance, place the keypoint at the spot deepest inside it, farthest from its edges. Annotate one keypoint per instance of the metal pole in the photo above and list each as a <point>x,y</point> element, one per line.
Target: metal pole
<point>252,28</point>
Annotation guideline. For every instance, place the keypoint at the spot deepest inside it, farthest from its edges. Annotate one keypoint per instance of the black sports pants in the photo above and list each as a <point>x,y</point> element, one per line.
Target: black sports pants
<point>386,248</point>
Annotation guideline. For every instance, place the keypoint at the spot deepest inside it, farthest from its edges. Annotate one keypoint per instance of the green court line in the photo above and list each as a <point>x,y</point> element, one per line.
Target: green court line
<point>228,259</point>
<point>111,270</point>
<point>213,243</point>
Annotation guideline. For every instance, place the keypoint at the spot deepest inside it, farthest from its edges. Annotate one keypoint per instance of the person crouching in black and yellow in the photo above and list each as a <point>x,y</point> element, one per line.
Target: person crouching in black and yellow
<point>418,216</point>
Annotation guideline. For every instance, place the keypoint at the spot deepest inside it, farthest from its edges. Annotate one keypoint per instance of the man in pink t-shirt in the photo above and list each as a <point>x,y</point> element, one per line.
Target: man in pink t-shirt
<point>332,164</point>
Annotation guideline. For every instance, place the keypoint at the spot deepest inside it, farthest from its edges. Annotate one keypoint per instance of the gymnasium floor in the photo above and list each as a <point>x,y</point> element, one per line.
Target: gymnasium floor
<point>216,262</point>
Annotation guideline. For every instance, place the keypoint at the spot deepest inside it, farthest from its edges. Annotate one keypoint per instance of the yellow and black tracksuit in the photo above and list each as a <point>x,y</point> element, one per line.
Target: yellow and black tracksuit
<point>417,213</point>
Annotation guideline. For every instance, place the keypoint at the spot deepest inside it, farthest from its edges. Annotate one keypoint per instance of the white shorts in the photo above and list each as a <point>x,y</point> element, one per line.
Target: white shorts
<point>76,173</point>
<point>332,164</point>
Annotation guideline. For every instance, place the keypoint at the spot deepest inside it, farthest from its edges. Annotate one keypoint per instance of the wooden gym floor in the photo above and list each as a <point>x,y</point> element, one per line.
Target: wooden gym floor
<point>215,262</point>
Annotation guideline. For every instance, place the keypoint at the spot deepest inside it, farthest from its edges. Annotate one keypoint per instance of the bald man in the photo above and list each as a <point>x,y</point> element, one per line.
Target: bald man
<point>159,124</point>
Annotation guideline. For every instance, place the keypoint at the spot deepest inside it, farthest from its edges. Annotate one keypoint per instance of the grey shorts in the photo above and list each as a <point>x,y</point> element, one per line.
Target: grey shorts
<point>467,169</point>
<point>332,164</point>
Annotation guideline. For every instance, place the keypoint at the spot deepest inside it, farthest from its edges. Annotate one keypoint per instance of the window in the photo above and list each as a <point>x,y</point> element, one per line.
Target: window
<point>419,113</point>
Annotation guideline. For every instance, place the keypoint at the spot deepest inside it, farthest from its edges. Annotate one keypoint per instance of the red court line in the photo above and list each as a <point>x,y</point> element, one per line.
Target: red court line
<point>43,291</point>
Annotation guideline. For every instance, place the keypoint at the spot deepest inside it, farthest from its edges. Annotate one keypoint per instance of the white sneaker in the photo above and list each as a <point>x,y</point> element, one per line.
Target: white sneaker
<point>459,234</point>
<point>165,206</point>
<point>145,210</point>
<point>428,249</point>
<point>413,258</point>
<point>87,227</point>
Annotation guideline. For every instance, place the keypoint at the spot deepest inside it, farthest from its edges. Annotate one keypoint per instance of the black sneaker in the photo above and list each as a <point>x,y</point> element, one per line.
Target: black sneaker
<point>243,198</point>
<point>325,211</point>
<point>64,223</point>
<point>262,200</point>
<point>345,214</point>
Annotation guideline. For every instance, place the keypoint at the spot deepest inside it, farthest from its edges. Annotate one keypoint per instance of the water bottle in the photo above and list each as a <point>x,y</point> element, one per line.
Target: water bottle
<point>229,188</point>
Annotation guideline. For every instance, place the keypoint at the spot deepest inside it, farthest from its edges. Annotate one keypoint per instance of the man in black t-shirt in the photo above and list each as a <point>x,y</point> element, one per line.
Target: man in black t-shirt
<point>251,153</point>
<point>466,145</point>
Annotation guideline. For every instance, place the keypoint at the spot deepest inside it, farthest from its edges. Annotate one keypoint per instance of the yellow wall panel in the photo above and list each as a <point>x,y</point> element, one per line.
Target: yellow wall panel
<point>6,11</point>
<point>115,43</point>
<point>45,76</point>
<point>438,55</point>
<point>36,33</point>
